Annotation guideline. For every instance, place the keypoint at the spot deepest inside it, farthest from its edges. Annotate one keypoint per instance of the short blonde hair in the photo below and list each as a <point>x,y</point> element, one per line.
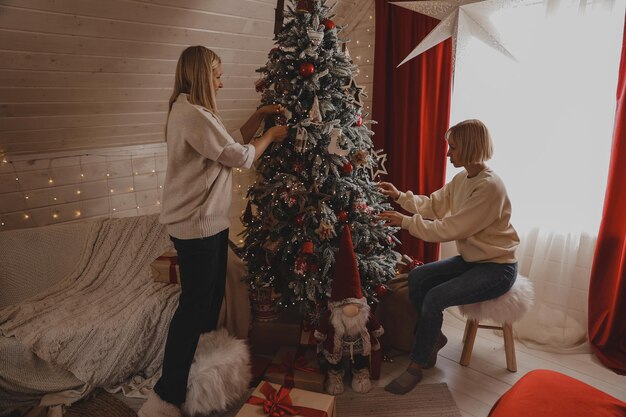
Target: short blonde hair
<point>194,76</point>
<point>473,141</point>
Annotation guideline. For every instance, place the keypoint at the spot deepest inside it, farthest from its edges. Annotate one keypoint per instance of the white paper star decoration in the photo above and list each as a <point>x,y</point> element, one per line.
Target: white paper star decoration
<point>378,163</point>
<point>459,20</point>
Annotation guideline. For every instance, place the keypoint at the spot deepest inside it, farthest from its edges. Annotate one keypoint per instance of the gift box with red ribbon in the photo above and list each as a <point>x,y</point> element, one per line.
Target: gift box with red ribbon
<point>275,400</point>
<point>165,268</point>
<point>296,367</point>
<point>307,338</point>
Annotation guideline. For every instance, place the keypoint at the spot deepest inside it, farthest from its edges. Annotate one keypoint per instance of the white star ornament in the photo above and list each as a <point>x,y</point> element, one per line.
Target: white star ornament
<point>459,19</point>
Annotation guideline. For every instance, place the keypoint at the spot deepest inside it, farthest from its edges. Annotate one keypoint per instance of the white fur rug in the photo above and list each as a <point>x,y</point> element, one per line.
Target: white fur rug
<point>220,374</point>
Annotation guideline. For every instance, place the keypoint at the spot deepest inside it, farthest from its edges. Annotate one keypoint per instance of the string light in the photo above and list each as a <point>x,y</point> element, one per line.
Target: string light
<point>77,212</point>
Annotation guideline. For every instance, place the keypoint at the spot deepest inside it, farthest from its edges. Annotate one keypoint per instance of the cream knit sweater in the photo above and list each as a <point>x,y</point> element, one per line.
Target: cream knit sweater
<point>479,213</point>
<point>198,183</point>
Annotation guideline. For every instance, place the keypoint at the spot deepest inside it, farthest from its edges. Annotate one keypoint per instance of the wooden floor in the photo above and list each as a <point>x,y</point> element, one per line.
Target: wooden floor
<point>476,388</point>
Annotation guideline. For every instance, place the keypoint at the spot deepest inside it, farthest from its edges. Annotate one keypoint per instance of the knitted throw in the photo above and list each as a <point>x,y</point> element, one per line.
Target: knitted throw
<point>106,320</point>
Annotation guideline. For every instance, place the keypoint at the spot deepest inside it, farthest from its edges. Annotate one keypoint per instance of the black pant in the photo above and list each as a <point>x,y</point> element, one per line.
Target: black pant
<point>359,363</point>
<point>202,265</point>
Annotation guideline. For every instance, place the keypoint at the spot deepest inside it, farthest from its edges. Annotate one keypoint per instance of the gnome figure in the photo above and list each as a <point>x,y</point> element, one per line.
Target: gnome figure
<point>348,329</point>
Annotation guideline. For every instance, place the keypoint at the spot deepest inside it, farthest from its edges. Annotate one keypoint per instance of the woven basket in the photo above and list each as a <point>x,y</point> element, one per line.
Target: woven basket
<point>102,405</point>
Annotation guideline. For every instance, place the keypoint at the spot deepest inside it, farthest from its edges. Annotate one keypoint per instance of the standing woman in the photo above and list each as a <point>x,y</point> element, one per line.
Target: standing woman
<point>474,210</point>
<point>195,210</point>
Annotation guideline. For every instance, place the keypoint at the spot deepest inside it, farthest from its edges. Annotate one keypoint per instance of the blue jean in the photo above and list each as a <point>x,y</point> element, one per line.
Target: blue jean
<point>451,282</point>
<point>202,264</point>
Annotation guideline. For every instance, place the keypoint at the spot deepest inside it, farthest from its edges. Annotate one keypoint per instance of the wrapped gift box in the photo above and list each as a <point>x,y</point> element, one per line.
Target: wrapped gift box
<point>307,338</point>
<point>266,337</point>
<point>296,367</point>
<point>165,268</point>
<point>270,398</point>
<point>259,365</point>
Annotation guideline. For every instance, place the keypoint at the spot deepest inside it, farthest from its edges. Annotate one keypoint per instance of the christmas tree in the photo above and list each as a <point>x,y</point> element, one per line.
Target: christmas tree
<point>320,178</point>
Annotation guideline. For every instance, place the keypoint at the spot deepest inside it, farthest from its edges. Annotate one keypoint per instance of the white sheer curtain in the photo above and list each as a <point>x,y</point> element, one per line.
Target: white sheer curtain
<point>551,118</point>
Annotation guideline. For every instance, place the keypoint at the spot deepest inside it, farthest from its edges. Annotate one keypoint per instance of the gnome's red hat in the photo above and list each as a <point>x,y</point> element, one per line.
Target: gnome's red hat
<point>346,285</point>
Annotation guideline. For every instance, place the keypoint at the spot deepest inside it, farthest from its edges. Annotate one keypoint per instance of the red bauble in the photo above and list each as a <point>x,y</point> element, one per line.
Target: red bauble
<point>328,24</point>
<point>359,120</point>
<point>298,166</point>
<point>347,168</point>
<point>299,220</point>
<point>304,6</point>
<point>342,215</point>
<point>381,290</point>
<point>414,264</point>
<point>306,69</point>
<point>307,247</point>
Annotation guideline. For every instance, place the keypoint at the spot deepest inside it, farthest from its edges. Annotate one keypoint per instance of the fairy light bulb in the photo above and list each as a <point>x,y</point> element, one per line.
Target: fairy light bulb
<point>77,213</point>
<point>26,217</point>
<point>55,215</point>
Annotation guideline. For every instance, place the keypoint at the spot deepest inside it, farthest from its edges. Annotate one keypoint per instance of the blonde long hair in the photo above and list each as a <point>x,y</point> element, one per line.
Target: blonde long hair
<point>194,76</point>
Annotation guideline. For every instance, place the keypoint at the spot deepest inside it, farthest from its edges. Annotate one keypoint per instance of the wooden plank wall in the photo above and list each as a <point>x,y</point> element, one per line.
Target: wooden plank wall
<point>84,88</point>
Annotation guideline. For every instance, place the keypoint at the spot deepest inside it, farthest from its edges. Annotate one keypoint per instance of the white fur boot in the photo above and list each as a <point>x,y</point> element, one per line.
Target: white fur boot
<point>334,382</point>
<point>156,407</point>
<point>361,380</point>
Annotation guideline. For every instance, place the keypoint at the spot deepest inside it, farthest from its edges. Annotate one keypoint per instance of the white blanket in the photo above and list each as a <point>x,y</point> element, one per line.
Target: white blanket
<point>106,321</point>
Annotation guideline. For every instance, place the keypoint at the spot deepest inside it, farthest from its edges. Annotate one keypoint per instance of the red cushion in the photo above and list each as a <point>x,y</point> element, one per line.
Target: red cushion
<point>548,393</point>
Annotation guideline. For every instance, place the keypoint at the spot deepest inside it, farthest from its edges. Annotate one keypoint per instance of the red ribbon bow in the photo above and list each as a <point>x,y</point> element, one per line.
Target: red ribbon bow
<point>278,403</point>
<point>291,364</point>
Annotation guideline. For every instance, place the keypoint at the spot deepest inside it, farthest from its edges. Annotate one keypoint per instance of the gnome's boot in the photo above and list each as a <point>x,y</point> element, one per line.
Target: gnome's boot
<point>361,380</point>
<point>334,382</point>
<point>156,407</point>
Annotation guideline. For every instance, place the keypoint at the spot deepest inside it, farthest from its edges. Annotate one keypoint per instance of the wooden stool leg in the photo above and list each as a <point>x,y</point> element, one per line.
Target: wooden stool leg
<point>509,347</point>
<point>470,335</point>
<point>467,325</point>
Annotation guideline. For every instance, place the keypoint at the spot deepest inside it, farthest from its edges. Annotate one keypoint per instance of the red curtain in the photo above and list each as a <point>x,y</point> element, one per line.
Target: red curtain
<point>412,108</point>
<point>607,289</point>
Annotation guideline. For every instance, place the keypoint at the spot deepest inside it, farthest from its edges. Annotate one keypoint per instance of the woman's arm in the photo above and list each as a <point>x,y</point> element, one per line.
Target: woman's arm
<point>273,134</point>
<point>250,127</point>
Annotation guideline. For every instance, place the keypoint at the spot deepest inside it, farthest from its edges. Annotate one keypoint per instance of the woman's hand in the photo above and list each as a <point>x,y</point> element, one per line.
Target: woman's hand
<point>278,133</point>
<point>389,189</point>
<point>392,218</point>
<point>270,110</point>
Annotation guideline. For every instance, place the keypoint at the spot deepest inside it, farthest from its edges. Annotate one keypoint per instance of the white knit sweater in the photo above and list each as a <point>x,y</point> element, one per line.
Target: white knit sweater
<point>479,214</point>
<point>198,183</point>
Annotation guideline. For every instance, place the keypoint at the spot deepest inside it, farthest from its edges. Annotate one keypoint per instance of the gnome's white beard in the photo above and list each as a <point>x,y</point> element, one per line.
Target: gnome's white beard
<point>351,326</point>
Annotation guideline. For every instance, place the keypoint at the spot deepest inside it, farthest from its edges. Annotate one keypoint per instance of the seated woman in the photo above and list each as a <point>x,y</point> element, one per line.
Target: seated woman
<point>474,210</point>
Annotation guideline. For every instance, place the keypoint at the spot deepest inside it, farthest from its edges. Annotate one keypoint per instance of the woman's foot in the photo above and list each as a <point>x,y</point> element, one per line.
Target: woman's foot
<point>432,359</point>
<point>407,380</point>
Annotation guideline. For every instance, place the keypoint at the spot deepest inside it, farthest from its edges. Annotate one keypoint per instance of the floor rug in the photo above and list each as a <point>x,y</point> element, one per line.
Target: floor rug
<point>426,400</point>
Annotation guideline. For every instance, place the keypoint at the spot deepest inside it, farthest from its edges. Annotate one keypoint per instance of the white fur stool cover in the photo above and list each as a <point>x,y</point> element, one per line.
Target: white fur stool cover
<point>508,308</point>
<point>219,375</point>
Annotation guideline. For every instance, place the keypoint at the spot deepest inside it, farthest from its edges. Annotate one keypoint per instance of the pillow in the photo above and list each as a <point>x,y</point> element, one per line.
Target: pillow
<point>548,393</point>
